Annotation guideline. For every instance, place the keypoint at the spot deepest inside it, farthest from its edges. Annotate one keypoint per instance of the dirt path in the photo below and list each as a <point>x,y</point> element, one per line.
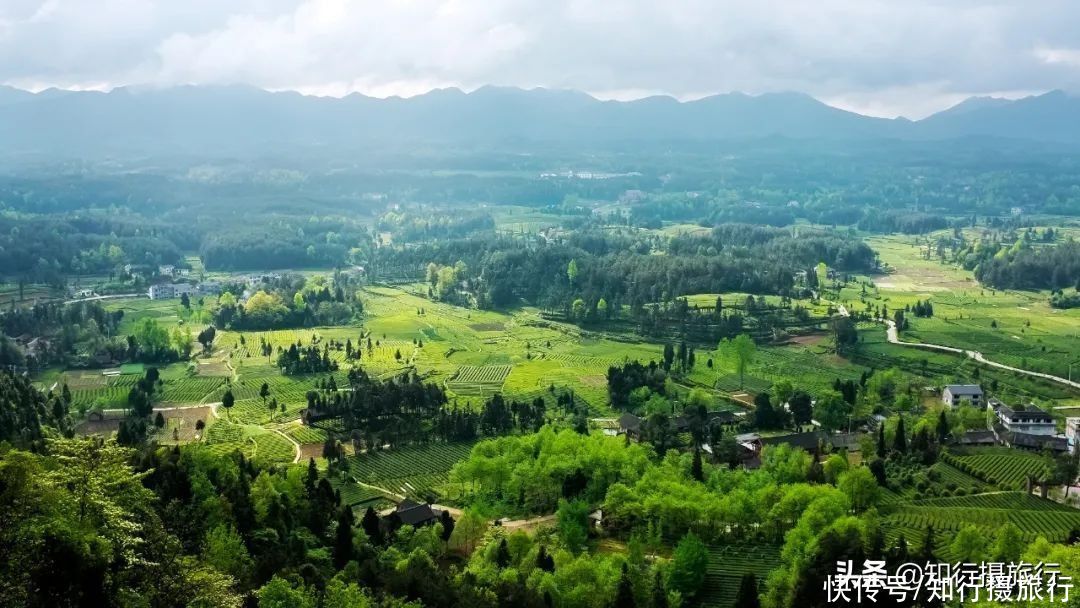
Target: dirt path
<point>295,444</point>
<point>894,338</point>
<point>530,524</point>
<point>106,297</point>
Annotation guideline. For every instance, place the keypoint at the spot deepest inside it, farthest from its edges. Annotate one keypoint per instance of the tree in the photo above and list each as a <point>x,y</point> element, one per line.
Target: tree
<point>801,406</point>
<point>502,554</point>
<point>881,450</point>
<point>159,421</point>
<point>832,411</point>
<point>659,595</point>
<point>272,406</point>
<point>469,529</point>
<point>942,427</point>
<point>740,350</point>
<point>264,392</point>
<point>764,416</point>
<point>224,549</point>
<point>572,271</point>
<point>1008,544</point>
<point>1065,470</point>
<point>573,524</point>
<point>227,401</point>
<point>544,561</point>
<point>152,340</point>
<point>447,522</point>
<point>206,337</point>
<point>340,594</point>
<point>926,552</point>
<point>577,309</point>
<point>181,341</point>
<point>278,593</point>
<point>834,466</point>
<point>900,440</point>
<point>969,545</point>
<point>372,526</point>
<point>343,538</point>
<point>748,592</point>
<point>689,564</point>
<point>696,470</point>
<point>783,391</point>
<point>624,594</point>
<point>861,488</point>
<point>845,334</point>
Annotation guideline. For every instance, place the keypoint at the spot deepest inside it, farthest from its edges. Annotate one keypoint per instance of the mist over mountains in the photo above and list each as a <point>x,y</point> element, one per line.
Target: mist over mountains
<point>242,120</point>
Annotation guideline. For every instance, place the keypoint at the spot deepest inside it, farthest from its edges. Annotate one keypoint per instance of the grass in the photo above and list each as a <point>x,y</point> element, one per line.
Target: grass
<point>1017,328</point>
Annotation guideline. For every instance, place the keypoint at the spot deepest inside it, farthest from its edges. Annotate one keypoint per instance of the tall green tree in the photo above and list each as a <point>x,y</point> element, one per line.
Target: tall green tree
<point>900,439</point>
<point>689,564</point>
<point>747,596</point>
<point>741,351</point>
<point>832,411</point>
<point>228,400</point>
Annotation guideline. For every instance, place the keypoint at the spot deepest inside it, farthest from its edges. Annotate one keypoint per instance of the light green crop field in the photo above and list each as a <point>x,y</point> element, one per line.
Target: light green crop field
<point>1016,328</point>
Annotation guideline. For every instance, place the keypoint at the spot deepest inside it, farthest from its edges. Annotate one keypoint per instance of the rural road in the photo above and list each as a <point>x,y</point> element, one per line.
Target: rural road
<point>894,337</point>
<point>106,297</point>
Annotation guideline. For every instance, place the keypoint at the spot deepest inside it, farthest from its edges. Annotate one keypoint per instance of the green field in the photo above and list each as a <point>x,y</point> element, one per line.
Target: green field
<point>1000,466</point>
<point>1017,328</point>
<point>728,564</point>
<point>1034,517</point>
<point>259,444</point>
<point>412,471</point>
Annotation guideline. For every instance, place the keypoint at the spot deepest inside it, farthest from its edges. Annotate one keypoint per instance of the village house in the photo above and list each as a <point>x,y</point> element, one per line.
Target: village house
<point>1030,420</point>
<point>958,394</point>
<point>167,291</point>
<point>410,513</point>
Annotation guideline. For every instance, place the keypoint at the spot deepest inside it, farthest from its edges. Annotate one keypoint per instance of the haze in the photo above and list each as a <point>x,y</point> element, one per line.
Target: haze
<point>874,57</point>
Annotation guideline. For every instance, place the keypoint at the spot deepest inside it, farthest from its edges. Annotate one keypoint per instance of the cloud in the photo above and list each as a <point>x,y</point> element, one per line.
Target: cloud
<point>878,55</point>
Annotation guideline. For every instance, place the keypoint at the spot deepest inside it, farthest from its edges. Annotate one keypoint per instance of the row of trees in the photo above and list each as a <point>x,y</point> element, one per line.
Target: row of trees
<point>619,269</point>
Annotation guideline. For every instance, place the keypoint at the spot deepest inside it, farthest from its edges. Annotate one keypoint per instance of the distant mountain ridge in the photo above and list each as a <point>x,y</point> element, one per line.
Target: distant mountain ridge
<point>244,119</point>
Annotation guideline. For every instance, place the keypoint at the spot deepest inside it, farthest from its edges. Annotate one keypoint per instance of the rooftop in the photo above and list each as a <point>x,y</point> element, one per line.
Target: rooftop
<point>1030,412</point>
<point>964,389</point>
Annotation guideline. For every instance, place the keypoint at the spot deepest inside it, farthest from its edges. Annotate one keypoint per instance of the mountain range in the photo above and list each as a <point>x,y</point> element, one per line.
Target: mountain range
<point>243,120</point>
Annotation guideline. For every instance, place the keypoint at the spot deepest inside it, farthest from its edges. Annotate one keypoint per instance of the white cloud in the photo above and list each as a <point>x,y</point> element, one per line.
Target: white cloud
<point>879,56</point>
<point>1069,57</point>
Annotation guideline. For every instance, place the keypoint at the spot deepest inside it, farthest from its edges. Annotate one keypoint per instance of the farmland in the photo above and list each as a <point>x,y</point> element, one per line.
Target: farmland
<point>411,471</point>
<point>1032,515</point>
<point>1000,466</point>
<point>728,564</point>
<point>1017,328</point>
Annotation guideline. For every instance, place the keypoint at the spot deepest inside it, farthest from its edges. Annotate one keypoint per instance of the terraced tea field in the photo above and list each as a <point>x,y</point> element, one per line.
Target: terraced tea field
<point>951,476</point>
<point>190,390</point>
<point>479,380</point>
<point>1000,465</point>
<point>1034,516</point>
<point>412,471</point>
<point>223,437</point>
<point>728,564</point>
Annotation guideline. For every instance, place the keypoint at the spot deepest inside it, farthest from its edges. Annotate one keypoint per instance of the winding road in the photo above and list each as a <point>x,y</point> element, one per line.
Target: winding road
<point>894,337</point>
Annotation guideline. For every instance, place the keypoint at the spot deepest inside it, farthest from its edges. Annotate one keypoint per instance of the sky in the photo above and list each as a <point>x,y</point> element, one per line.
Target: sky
<point>884,58</point>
